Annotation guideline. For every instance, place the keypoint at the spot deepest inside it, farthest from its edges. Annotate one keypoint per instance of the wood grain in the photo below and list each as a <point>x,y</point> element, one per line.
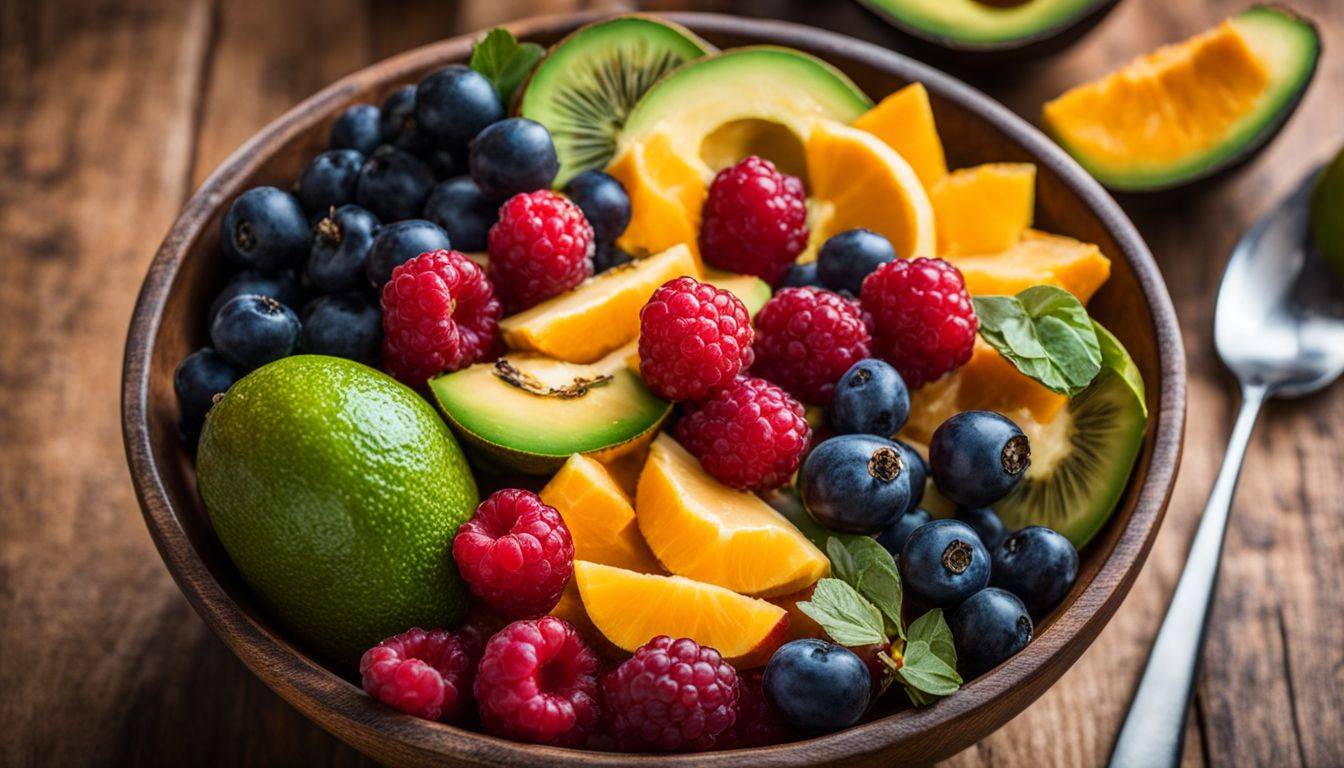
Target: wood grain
<point>111,112</point>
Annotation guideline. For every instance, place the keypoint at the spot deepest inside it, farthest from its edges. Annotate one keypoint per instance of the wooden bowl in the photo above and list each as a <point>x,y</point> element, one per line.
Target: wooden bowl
<point>169,323</point>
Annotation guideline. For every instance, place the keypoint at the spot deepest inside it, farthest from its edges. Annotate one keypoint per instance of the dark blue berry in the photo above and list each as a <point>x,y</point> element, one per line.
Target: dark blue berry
<point>341,243</point>
<point>445,164</point>
<point>607,255</point>
<point>453,104</point>
<point>604,203</point>
<point>357,128</point>
<point>394,185</point>
<point>458,206</point>
<point>988,628</point>
<point>282,286</point>
<point>266,228</point>
<point>977,457</point>
<point>855,483</point>
<point>396,244</point>
<point>1038,565</point>
<point>198,378</point>
<point>346,325</point>
<point>943,563</point>
<point>398,124</point>
<point>894,536</point>
<point>871,398</point>
<point>846,259</point>
<point>329,181</point>
<point>801,276</point>
<point>816,686</point>
<point>919,473</point>
<point>512,156</point>
<point>251,330</point>
<point>986,523</point>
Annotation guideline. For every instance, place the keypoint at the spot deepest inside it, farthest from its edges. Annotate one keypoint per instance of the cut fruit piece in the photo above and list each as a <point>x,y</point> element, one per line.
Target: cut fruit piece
<point>585,87</point>
<point>800,624</point>
<point>628,608</point>
<point>599,516</point>
<point>570,608</point>
<point>1038,259</point>
<point>859,181</point>
<point>980,24</point>
<point>704,530</point>
<point>904,120</point>
<point>598,316</point>
<point>666,194</point>
<point>1188,111</point>
<point>750,289</point>
<point>528,413</point>
<point>984,209</point>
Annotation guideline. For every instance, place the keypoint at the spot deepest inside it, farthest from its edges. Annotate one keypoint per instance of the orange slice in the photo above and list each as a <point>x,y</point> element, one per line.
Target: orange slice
<point>984,209</point>
<point>666,194</point>
<point>904,121</point>
<point>1037,259</point>
<point>598,514</point>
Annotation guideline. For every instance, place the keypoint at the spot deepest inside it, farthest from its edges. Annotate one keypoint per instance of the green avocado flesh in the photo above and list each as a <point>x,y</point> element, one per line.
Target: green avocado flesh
<point>973,22</point>
<point>586,86</point>
<point>336,492</point>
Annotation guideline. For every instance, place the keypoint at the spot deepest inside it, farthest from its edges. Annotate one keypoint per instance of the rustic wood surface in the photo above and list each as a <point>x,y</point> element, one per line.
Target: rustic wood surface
<point>111,113</point>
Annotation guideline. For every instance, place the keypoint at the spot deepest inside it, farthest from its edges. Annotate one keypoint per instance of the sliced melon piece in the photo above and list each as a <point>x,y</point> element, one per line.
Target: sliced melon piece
<point>904,120</point>
<point>666,194</point>
<point>974,24</point>
<point>599,515</point>
<point>1037,259</point>
<point>984,209</point>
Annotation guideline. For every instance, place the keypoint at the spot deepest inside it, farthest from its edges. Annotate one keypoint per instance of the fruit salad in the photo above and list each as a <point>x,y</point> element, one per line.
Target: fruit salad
<point>636,395</point>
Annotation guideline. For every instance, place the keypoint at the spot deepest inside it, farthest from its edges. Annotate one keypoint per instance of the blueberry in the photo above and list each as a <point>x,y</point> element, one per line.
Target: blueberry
<point>357,128</point>
<point>816,686</point>
<point>1038,565</point>
<point>329,180</point>
<point>394,185</point>
<point>871,398</point>
<point>340,252</point>
<point>346,325</point>
<point>988,628</point>
<point>986,523</point>
<point>266,228</point>
<point>607,255</point>
<point>458,206</point>
<point>943,563</point>
<point>919,473</point>
<point>855,483</point>
<point>198,378</point>
<point>604,203</point>
<point>398,124</point>
<point>801,276</point>
<point>846,259</point>
<point>977,457</point>
<point>894,536</point>
<point>282,286</point>
<point>453,104</point>
<point>251,330</point>
<point>512,156</point>
<point>396,244</point>
<point>445,164</point>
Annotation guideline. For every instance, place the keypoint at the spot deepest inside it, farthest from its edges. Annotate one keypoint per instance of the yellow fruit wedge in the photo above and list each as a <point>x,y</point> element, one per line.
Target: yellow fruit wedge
<point>666,194</point>
<point>598,316</point>
<point>984,209</point>
<point>1037,259</point>
<point>630,608</point>
<point>599,516</point>
<point>904,121</point>
<point>702,529</point>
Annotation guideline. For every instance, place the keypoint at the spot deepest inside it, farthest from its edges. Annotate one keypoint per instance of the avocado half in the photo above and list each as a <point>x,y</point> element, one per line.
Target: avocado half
<point>984,31</point>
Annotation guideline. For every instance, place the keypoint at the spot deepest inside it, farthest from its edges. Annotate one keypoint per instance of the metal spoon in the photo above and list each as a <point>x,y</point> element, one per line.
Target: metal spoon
<point>1279,327</point>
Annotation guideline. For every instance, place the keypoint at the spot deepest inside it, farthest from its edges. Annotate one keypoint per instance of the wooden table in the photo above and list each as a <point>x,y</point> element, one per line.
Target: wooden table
<point>112,113</point>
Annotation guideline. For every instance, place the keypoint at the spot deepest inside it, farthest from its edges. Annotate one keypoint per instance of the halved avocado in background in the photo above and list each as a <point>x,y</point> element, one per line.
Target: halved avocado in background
<point>992,30</point>
<point>1190,111</point>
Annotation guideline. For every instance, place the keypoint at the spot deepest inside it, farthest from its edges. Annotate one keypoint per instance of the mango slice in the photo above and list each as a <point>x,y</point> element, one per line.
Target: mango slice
<point>666,194</point>
<point>983,209</point>
<point>599,515</point>
<point>904,121</point>
<point>1037,259</point>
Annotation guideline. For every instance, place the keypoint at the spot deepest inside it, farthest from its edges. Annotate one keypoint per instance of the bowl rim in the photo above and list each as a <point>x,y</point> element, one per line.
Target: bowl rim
<point>341,707</point>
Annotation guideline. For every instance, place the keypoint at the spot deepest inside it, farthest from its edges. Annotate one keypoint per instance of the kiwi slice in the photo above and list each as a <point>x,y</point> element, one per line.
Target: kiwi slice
<point>1107,423</point>
<point>586,86</point>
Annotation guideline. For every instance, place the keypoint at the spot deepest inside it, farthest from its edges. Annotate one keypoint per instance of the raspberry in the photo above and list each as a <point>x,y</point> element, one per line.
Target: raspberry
<point>925,323</point>
<point>754,220</point>
<point>439,314</point>
<point>541,247</point>
<point>758,724</point>
<point>693,339</point>
<point>426,674</point>
<point>806,338</point>
<point>537,682</point>
<point>515,553</point>
<point>671,696</point>
<point>750,435</point>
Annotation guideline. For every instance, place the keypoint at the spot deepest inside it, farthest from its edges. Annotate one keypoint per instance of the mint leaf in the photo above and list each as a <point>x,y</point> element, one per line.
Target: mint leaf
<point>843,566</point>
<point>505,61</point>
<point>877,579</point>
<point>844,614</point>
<point>1046,333</point>
<point>929,667</point>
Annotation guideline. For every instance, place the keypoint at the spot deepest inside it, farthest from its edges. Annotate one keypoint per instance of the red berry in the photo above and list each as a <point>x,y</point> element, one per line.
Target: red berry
<point>693,339</point>
<point>806,338</point>
<point>439,314</point>
<point>754,220</point>
<point>671,696</point>
<point>541,247</point>
<point>925,323</point>
<point>426,674</point>
<point>758,723</point>
<point>537,682</point>
<point>750,435</point>
<point>515,553</point>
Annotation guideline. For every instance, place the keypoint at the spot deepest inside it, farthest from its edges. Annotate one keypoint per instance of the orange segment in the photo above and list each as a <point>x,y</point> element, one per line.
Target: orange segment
<point>983,209</point>
<point>598,514</point>
<point>631,608</point>
<point>904,121</point>
<point>1038,259</point>
<point>666,194</point>
<point>704,530</point>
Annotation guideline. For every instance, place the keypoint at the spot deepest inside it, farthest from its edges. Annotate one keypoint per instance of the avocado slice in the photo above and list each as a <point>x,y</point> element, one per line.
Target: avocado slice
<point>972,25</point>
<point>527,413</point>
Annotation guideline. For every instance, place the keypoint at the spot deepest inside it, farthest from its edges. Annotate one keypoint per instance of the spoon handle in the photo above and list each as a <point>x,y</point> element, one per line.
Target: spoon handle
<point>1154,729</point>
